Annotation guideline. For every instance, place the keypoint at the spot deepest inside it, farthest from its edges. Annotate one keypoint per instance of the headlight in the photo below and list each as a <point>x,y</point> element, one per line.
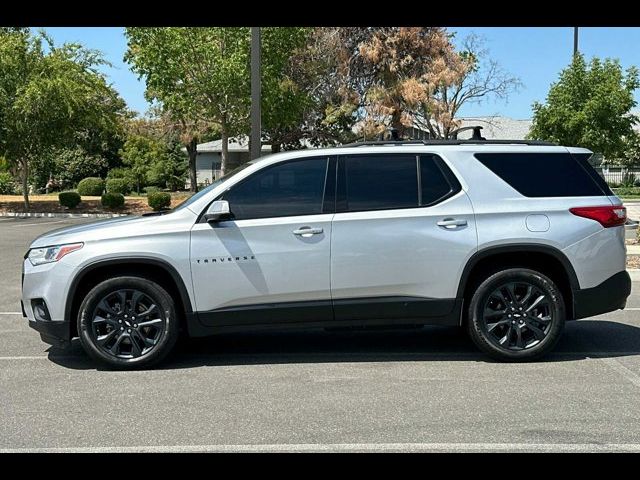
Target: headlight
<point>40,256</point>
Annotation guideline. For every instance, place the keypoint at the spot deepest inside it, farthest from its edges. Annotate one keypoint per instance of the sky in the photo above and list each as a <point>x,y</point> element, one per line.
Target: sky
<point>535,55</point>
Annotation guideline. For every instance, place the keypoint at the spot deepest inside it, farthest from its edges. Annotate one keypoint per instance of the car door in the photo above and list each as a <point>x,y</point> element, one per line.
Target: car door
<point>402,231</point>
<point>270,263</point>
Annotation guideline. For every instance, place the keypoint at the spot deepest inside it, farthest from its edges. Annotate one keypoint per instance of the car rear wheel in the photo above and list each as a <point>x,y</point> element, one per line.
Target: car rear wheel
<point>128,322</point>
<point>516,315</point>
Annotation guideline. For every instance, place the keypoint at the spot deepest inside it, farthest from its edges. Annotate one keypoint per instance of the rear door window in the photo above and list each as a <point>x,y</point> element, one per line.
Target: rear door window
<point>393,181</point>
<point>380,182</point>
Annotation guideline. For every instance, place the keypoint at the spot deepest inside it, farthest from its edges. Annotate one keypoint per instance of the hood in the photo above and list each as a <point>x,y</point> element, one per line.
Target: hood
<point>110,228</point>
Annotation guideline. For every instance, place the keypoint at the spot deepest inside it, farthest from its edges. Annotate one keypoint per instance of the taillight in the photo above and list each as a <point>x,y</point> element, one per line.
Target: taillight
<point>609,216</point>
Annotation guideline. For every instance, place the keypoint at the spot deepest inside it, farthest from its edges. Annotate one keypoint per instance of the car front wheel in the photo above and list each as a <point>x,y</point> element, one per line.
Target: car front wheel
<point>128,322</point>
<point>516,315</point>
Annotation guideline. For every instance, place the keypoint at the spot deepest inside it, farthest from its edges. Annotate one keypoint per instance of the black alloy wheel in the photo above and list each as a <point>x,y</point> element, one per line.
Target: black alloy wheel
<point>128,322</point>
<point>516,314</point>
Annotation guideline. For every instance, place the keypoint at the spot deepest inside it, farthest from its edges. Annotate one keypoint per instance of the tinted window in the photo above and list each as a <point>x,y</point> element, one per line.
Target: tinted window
<point>583,159</point>
<point>376,182</point>
<point>433,183</point>
<point>288,189</point>
<point>542,174</point>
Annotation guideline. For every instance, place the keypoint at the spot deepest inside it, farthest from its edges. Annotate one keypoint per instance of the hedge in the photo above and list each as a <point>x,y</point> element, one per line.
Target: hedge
<point>91,187</point>
<point>112,200</point>
<point>118,185</point>
<point>69,199</point>
<point>627,191</point>
<point>159,200</point>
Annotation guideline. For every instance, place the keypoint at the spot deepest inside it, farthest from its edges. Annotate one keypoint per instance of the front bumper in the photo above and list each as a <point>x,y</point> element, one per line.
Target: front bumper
<point>53,333</point>
<point>610,295</point>
<point>48,283</point>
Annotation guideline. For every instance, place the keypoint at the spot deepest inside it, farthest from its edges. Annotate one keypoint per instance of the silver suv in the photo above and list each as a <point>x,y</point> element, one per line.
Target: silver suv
<point>505,239</point>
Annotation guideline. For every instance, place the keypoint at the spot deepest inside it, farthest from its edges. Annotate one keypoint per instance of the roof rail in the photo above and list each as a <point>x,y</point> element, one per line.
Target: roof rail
<point>448,142</point>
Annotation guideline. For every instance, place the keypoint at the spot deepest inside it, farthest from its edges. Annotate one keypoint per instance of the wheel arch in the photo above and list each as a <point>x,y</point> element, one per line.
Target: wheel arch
<point>544,258</point>
<point>154,269</point>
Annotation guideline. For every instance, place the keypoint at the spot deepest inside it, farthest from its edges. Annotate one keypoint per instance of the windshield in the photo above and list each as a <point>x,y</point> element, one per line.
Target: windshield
<point>207,189</point>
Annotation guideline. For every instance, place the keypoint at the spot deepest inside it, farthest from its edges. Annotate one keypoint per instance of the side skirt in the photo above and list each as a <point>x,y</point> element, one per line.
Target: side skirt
<point>359,312</point>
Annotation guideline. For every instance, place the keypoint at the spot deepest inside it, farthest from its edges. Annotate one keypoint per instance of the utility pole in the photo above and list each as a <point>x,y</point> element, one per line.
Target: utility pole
<point>256,127</point>
<point>575,41</point>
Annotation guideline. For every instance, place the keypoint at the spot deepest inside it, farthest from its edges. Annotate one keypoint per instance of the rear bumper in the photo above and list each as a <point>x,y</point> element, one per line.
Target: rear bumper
<point>610,295</point>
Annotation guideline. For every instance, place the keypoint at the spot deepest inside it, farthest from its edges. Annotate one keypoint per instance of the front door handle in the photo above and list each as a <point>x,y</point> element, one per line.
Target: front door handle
<point>307,232</point>
<point>451,223</point>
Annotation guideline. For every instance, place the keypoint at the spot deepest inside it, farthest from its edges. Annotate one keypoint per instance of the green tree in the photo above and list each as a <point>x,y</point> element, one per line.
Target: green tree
<point>48,96</point>
<point>285,95</point>
<point>589,106</point>
<point>200,75</point>
<point>139,153</point>
<point>631,154</point>
<point>170,169</point>
<point>170,166</point>
<point>67,166</point>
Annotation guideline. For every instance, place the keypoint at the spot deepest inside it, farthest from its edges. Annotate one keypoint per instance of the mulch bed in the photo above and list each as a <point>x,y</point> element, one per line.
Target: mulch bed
<point>132,206</point>
<point>633,261</point>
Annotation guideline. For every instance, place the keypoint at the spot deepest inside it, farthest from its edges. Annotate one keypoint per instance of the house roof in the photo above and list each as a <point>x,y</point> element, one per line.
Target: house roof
<point>238,144</point>
<point>497,127</point>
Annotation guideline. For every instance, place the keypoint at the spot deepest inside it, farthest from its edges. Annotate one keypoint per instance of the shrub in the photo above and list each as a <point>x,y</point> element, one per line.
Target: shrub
<point>627,191</point>
<point>628,180</point>
<point>118,185</point>
<point>159,200</point>
<point>152,189</point>
<point>69,199</point>
<point>91,186</point>
<point>7,184</point>
<point>112,200</point>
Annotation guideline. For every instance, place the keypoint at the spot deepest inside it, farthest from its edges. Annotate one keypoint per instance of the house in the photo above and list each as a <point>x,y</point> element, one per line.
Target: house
<point>209,157</point>
<point>493,127</point>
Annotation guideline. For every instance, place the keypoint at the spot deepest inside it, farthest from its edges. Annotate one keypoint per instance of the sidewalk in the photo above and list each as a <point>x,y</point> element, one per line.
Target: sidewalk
<point>61,215</point>
<point>633,209</point>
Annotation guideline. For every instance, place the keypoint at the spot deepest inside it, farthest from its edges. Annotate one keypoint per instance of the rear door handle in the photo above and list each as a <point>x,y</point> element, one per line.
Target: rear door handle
<point>451,223</point>
<point>307,232</point>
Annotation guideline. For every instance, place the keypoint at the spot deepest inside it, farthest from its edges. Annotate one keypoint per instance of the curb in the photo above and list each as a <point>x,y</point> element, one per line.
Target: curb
<point>634,273</point>
<point>62,215</point>
<point>633,249</point>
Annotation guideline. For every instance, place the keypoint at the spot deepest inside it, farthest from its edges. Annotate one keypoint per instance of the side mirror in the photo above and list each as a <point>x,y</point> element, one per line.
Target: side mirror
<point>217,211</point>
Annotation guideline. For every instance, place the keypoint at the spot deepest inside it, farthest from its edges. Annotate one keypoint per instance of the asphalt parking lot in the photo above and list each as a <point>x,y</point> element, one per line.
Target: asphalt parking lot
<point>426,390</point>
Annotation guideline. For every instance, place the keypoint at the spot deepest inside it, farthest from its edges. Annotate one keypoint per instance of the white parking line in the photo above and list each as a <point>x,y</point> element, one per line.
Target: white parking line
<point>627,373</point>
<point>350,447</point>
<point>10,313</point>
<point>38,357</point>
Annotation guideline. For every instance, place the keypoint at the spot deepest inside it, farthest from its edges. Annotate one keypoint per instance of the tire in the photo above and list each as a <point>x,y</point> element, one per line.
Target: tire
<point>529,328</point>
<point>135,341</point>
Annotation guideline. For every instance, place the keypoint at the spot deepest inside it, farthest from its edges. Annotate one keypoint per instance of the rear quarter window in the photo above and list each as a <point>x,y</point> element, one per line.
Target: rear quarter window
<point>543,174</point>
